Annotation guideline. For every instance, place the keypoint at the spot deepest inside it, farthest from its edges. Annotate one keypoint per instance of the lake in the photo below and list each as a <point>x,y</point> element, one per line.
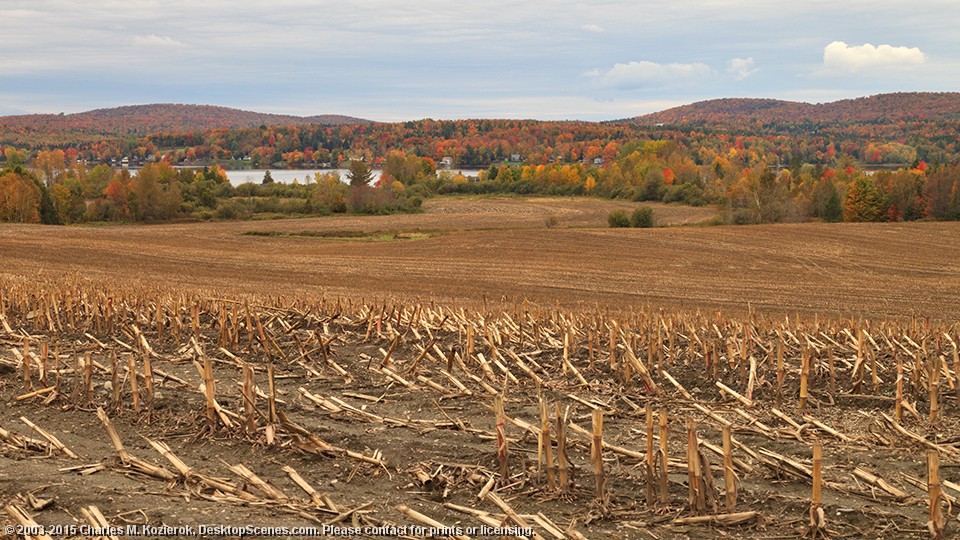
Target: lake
<point>284,176</point>
<point>287,176</point>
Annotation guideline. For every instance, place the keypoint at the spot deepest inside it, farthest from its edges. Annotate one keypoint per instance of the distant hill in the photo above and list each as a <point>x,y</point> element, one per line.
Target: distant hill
<point>746,112</point>
<point>138,120</point>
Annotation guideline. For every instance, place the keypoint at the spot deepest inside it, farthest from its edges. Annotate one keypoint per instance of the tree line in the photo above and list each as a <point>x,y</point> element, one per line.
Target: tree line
<point>481,143</point>
<point>53,190</point>
<point>745,187</point>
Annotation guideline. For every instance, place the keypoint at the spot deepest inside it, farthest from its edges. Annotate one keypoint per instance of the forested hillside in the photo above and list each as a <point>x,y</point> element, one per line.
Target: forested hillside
<point>59,130</point>
<point>878,109</point>
<point>757,160</point>
<point>892,129</point>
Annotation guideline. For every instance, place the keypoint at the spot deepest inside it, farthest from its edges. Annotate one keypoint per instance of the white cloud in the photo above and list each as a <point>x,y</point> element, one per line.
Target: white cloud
<point>25,14</point>
<point>839,56</point>
<point>741,68</point>
<point>411,54</point>
<point>156,41</point>
<point>646,74</point>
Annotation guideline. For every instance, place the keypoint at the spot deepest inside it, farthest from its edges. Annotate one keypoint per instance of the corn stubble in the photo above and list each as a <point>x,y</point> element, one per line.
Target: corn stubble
<point>750,399</point>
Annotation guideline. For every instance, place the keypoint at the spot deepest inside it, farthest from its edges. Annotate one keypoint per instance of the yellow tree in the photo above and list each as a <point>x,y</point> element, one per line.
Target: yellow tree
<point>863,201</point>
<point>51,165</point>
<point>156,195</point>
<point>19,198</point>
<point>589,184</point>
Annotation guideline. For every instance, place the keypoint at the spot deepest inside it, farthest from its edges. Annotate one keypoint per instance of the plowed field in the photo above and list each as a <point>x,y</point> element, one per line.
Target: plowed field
<point>488,248</point>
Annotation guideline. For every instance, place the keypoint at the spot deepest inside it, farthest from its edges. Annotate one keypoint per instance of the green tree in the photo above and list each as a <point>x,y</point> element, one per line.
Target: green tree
<point>832,209</point>
<point>863,201</point>
<point>642,217</point>
<point>652,187</point>
<point>360,174</point>
<point>48,211</point>
<point>825,200</point>
<point>618,218</point>
<point>267,178</point>
<point>96,181</point>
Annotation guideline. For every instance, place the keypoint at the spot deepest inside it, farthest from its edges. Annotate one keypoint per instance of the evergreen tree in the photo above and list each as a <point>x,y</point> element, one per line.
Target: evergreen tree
<point>832,209</point>
<point>360,174</point>
<point>863,201</point>
<point>48,212</point>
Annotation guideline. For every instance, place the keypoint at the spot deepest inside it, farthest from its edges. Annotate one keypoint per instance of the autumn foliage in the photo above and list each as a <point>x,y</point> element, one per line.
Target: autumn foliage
<point>19,198</point>
<point>891,157</point>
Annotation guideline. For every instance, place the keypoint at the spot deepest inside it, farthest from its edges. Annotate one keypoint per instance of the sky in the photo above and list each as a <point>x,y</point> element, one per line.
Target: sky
<point>393,61</point>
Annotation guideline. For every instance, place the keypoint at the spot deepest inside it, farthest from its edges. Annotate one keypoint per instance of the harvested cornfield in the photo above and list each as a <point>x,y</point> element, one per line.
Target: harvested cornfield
<point>175,411</point>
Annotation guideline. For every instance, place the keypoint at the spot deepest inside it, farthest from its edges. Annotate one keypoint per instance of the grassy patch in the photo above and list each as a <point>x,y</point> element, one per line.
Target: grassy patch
<point>373,236</point>
<point>332,234</point>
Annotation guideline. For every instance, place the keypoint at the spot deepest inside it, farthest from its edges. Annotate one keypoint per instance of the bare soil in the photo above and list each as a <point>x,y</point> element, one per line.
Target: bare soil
<point>336,309</point>
<point>476,249</point>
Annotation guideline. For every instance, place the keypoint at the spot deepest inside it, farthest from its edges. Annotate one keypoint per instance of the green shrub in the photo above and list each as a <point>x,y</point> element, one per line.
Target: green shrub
<point>744,216</point>
<point>642,217</point>
<point>413,204</point>
<point>293,206</point>
<point>204,215</point>
<point>232,209</point>
<point>618,218</point>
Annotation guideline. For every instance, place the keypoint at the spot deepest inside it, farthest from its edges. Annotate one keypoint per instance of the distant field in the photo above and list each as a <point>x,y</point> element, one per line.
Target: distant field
<point>493,248</point>
<point>480,212</point>
<point>359,378</point>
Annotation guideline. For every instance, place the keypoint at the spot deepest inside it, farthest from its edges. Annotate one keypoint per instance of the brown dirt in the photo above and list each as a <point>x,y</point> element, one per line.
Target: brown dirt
<point>117,275</point>
<point>490,248</point>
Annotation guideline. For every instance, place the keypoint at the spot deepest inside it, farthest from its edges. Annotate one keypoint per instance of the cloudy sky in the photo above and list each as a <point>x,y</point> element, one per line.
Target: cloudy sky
<point>390,60</point>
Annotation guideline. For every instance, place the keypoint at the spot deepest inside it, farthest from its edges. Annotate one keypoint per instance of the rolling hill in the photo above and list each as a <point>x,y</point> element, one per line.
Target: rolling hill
<point>888,129</point>
<point>139,120</point>
<point>744,112</point>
